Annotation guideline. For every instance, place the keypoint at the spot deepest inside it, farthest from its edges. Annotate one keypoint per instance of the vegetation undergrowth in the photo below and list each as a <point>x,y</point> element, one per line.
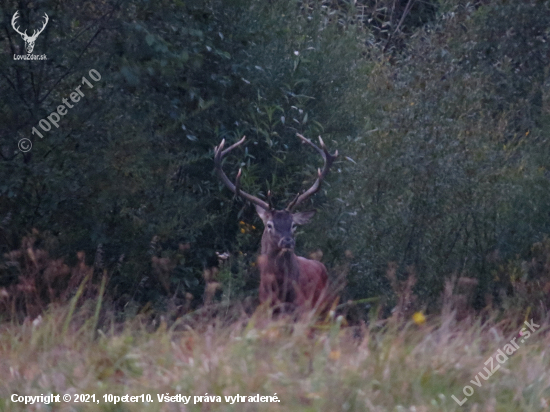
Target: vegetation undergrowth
<point>417,364</point>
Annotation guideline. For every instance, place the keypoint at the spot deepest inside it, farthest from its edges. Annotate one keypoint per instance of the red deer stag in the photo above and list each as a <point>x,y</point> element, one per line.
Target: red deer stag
<point>284,277</point>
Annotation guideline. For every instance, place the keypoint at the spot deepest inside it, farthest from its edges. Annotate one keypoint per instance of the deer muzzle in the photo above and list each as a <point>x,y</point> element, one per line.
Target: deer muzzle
<point>286,243</point>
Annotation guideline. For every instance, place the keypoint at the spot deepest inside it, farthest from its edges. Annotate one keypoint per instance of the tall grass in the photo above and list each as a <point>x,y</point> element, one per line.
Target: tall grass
<point>395,366</point>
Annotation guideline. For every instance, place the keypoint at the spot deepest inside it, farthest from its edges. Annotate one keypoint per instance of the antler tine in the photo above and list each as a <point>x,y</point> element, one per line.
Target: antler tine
<point>328,160</point>
<point>34,33</point>
<point>219,154</point>
<point>14,18</point>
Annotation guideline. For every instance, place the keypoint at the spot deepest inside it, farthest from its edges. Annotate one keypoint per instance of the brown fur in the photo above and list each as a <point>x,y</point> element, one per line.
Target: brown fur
<point>304,280</point>
<point>284,277</point>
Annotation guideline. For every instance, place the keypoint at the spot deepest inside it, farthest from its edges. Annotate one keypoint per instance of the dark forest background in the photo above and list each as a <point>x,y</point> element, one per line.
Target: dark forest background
<point>440,110</point>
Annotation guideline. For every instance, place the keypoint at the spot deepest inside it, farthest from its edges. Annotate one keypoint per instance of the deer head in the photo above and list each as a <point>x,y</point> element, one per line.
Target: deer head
<point>29,40</point>
<point>279,228</point>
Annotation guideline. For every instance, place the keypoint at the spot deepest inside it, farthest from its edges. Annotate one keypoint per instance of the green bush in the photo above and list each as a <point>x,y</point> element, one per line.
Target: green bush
<point>449,170</point>
<point>442,129</point>
<point>130,171</point>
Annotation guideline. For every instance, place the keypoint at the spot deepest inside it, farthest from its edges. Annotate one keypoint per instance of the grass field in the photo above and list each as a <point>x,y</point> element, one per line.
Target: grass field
<point>308,366</point>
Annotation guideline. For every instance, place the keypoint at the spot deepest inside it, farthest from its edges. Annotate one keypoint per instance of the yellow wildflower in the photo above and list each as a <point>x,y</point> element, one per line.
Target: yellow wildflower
<point>419,318</point>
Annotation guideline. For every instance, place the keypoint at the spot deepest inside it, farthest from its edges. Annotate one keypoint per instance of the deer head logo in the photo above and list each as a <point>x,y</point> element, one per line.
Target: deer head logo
<point>29,40</point>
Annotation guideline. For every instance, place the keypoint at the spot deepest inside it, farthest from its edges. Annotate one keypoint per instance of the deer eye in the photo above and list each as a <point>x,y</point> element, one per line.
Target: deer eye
<point>269,226</point>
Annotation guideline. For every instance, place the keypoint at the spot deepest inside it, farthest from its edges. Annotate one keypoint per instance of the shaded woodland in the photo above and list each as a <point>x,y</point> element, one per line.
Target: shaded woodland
<point>440,110</point>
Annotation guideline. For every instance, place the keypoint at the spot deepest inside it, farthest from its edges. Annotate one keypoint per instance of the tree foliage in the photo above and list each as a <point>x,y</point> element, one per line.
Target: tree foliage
<point>130,167</point>
<point>440,110</point>
<point>452,168</point>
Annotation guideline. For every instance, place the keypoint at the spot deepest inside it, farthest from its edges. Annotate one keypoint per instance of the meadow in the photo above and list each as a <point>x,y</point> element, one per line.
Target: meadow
<point>311,364</point>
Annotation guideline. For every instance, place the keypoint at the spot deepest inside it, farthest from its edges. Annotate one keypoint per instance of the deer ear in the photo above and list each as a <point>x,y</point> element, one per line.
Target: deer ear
<point>265,215</point>
<point>303,217</point>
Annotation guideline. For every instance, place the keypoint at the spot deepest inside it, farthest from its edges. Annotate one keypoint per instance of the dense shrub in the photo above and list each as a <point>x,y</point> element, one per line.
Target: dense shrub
<point>451,173</point>
<point>440,112</point>
<point>129,170</point>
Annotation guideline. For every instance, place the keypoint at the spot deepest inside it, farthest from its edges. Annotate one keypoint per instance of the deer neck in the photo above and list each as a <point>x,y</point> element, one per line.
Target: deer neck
<point>284,265</point>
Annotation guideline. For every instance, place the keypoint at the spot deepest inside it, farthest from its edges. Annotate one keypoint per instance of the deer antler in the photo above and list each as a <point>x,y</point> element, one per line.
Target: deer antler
<point>219,154</point>
<point>35,34</point>
<point>15,17</point>
<point>328,160</point>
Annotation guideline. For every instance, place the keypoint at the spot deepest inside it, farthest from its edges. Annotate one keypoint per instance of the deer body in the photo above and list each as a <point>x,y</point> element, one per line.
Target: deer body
<point>285,278</point>
<point>302,283</point>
